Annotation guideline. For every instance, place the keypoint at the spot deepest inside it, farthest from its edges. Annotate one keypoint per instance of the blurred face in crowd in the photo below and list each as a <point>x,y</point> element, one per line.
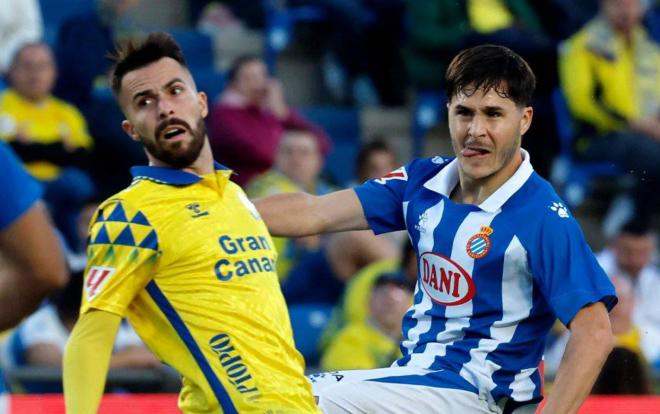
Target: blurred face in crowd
<point>33,72</point>
<point>633,252</point>
<point>622,14</point>
<point>388,303</point>
<point>621,315</point>
<point>377,164</point>
<point>299,158</point>
<point>252,81</point>
<point>117,7</point>
<point>165,112</point>
<point>486,130</point>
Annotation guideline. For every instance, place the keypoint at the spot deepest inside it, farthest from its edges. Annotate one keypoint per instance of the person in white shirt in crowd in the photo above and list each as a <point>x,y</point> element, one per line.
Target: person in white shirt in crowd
<point>633,254</point>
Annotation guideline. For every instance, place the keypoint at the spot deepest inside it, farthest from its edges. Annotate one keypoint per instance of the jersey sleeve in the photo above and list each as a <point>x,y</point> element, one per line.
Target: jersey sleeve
<point>382,200</point>
<point>18,190</point>
<point>123,255</point>
<point>565,267</point>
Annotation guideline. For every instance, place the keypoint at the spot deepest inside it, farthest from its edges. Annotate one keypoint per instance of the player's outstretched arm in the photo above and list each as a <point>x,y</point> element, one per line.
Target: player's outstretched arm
<point>300,214</point>
<point>590,344</point>
<point>86,360</point>
<point>37,265</point>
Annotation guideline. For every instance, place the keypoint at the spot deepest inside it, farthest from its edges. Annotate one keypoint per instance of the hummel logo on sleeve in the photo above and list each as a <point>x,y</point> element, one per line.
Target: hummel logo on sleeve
<point>559,209</point>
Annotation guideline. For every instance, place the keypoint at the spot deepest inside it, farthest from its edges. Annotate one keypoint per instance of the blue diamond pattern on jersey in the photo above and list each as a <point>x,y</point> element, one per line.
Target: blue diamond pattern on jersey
<point>118,214</point>
<point>102,236</point>
<point>140,219</point>
<point>125,238</point>
<point>150,242</point>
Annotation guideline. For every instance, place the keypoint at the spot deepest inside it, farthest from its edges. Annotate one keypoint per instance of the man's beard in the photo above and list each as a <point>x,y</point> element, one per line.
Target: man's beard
<point>174,156</point>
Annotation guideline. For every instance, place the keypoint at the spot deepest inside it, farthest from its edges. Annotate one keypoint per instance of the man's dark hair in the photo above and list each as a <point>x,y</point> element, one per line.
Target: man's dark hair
<point>636,227</point>
<point>132,55</point>
<point>238,64</point>
<point>491,67</point>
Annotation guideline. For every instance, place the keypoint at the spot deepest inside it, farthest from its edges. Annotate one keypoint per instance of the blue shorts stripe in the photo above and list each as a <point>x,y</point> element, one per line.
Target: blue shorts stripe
<point>436,379</point>
<point>181,328</point>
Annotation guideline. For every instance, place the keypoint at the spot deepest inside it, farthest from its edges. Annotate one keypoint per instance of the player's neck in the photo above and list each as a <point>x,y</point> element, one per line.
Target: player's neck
<point>477,190</point>
<point>202,165</point>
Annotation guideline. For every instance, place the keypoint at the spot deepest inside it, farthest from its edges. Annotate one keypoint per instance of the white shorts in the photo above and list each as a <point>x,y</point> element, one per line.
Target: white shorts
<point>402,390</point>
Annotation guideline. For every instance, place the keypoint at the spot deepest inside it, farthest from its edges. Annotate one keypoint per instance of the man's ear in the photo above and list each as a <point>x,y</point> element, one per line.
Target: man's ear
<point>526,119</point>
<point>203,103</point>
<point>130,130</point>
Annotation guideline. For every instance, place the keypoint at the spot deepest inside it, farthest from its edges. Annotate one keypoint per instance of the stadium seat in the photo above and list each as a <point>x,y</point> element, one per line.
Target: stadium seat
<point>280,24</point>
<point>343,126</point>
<point>55,12</point>
<point>308,322</point>
<point>573,176</point>
<point>197,47</point>
<point>429,107</point>
<point>209,80</point>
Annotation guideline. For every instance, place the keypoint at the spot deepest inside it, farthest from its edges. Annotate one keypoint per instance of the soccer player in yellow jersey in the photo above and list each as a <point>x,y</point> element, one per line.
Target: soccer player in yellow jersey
<point>186,258</point>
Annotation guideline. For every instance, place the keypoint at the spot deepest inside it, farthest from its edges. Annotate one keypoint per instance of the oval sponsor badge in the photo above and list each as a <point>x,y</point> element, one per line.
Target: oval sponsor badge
<point>444,280</point>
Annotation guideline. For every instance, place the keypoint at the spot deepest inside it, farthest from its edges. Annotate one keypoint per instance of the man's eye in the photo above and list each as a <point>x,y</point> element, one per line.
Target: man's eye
<point>144,102</point>
<point>494,114</point>
<point>176,90</point>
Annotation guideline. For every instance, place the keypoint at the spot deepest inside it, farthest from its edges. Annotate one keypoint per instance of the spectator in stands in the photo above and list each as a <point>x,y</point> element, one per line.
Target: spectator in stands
<point>20,23</point>
<point>49,135</point>
<point>81,50</point>
<point>32,262</point>
<point>39,340</point>
<point>437,29</point>
<point>364,64</point>
<point>247,121</point>
<point>297,167</point>
<point>373,343</point>
<point>354,304</point>
<point>624,372</point>
<point>374,160</point>
<point>632,255</point>
<point>610,75</point>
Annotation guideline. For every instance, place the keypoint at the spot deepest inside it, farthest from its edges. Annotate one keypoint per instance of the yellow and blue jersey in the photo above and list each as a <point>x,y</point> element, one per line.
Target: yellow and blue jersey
<point>188,260</point>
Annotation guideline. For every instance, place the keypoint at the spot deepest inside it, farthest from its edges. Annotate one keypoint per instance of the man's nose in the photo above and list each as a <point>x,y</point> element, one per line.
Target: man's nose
<point>477,126</point>
<point>165,108</point>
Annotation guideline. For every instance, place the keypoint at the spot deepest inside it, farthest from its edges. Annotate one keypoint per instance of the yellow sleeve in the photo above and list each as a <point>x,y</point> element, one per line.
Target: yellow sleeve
<point>349,350</point>
<point>123,254</point>
<point>86,361</point>
<point>579,85</point>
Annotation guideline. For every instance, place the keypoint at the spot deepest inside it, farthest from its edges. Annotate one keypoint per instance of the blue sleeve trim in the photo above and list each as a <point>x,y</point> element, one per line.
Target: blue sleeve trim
<point>180,327</point>
<point>569,304</point>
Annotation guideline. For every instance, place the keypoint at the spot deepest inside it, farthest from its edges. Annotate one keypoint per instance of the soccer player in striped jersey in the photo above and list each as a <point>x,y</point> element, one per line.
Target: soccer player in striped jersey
<point>500,257</point>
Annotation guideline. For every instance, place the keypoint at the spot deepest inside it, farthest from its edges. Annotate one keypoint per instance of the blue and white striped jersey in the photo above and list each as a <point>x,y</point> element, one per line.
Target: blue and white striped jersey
<point>492,278</point>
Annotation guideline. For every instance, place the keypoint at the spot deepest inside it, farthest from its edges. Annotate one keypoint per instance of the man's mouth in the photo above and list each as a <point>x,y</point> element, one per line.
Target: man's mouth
<point>172,132</point>
<point>471,151</point>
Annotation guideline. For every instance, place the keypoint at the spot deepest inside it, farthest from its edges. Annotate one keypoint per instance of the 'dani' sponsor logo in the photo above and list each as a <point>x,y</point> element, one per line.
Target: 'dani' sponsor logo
<point>232,363</point>
<point>445,281</point>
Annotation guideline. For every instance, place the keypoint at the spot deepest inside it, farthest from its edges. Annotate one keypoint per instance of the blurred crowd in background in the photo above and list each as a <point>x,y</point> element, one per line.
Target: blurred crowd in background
<point>317,95</point>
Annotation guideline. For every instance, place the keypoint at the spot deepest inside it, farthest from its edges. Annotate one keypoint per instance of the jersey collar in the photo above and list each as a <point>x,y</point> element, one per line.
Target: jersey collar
<point>169,176</point>
<point>445,181</point>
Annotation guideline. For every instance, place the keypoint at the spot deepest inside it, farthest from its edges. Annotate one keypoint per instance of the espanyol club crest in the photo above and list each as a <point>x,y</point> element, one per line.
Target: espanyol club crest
<point>444,280</point>
<point>479,244</point>
<point>398,174</point>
